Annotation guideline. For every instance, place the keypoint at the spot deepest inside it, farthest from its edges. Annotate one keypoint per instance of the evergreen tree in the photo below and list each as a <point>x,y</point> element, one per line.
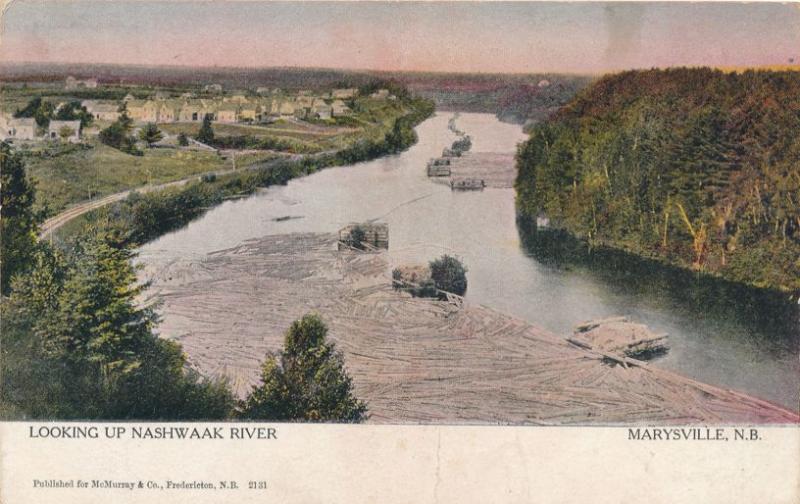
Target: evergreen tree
<point>18,221</point>
<point>150,134</point>
<point>307,381</point>
<point>206,133</point>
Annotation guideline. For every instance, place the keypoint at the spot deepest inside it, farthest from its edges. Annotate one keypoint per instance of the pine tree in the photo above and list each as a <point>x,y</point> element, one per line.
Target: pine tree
<point>206,133</point>
<point>18,221</point>
<point>307,381</point>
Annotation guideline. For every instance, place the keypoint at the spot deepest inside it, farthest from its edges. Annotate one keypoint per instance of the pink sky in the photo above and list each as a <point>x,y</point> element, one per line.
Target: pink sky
<point>489,37</point>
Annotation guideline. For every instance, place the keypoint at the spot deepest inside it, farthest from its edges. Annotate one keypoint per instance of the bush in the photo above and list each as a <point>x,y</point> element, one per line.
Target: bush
<point>183,141</point>
<point>448,274</point>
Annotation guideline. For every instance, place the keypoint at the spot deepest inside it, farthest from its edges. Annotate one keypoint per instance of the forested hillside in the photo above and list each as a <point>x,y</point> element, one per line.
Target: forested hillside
<point>693,166</point>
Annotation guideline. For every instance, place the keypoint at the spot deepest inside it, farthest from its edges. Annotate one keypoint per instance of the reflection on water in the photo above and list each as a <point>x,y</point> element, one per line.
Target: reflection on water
<point>719,333</point>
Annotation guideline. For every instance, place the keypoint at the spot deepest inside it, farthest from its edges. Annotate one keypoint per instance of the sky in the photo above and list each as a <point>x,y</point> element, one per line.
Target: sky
<point>512,37</point>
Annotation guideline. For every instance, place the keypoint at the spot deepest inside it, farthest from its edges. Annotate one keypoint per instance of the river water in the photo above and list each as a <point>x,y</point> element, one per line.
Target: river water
<point>719,334</point>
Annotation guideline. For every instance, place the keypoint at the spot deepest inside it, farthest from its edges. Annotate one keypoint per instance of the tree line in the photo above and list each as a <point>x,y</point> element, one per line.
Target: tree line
<point>695,167</point>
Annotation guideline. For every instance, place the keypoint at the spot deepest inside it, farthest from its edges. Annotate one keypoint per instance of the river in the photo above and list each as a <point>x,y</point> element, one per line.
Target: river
<point>719,334</point>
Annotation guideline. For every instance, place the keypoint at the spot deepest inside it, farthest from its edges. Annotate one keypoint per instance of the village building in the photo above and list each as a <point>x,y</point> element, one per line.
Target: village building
<point>380,94</point>
<point>73,83</point>
<point>236,98</point>
<point>128,97</point>
<point>22,128</point>
<point>339,109</point>
<point>250,112</point>
<point>228,113</point>
<point>322,110</point>
<point>263,90</point>
<point>191,112</point>
<point>543,83</point>
<point>68,131</point>
<point>344,94</point>
<point>212,88</point>
<point>169,111</point>
<point>105,111</point>
<point>143,110</point>
<point>286,109</point>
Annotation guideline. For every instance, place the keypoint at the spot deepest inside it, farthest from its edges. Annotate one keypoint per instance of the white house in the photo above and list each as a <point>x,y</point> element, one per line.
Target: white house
<point>105,111</point>
<point>338,109</point>
<point>344,94</point>
<point>69,131</point>
<point>22,128</point>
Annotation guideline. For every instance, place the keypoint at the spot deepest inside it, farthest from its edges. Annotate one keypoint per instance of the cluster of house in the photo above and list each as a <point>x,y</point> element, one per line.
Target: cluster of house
<point>25,128</point>
<point>237,107</point>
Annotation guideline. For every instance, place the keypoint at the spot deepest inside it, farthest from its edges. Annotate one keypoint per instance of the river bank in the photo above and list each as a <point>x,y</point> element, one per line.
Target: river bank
<point>427,220</point>
<point>413,360</point>
<point>141,216</point>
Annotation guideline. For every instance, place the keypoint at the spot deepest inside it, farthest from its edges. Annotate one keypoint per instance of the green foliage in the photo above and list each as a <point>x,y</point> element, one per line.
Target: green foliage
<point>183,141</point>
<point>117,135</point>
<point>449,274</point>
<point>40,110</point>
<point>18,221</point>
<point>206,133</point>
<point>306,381</point>
<point>693,166</point>
<point>150,134</point>
<point>77,345</point>
<point>73,111</point>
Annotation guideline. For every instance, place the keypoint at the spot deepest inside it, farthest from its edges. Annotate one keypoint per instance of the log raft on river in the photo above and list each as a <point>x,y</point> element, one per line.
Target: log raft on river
<point>415,360</point>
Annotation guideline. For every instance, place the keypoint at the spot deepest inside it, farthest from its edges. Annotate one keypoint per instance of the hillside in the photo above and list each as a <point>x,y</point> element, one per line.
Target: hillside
<point>696,167</point>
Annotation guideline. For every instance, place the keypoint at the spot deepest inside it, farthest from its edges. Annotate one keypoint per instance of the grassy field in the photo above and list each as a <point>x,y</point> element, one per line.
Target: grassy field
<point>70,174</point>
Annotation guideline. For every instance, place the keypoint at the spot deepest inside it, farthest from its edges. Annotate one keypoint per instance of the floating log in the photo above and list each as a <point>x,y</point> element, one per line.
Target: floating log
<point>414,360</point>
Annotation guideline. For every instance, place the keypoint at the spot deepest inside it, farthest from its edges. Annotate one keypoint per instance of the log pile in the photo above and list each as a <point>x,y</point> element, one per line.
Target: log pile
<point>619,336</point>
<point>414,360</point>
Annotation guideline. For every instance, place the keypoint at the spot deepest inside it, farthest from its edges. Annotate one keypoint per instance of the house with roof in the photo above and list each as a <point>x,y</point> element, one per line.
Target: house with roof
<point>68,131</point>
<point>212,88</point>
<point>339,109</point>
<point>20,128</point>
<point>380,94</point>
<point>73,83</point>
<point>250,112</point>
<point>105,111</point>
<point>228,113</point>
<point>143,110</point>
<point>169,111</point>
<point>321,110</point>
<point>286,109</point>
<point>344,94</point>
<point>191,112</point>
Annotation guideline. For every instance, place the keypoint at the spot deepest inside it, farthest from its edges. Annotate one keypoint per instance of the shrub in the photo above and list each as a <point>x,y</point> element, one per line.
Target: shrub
<point>448,274</point>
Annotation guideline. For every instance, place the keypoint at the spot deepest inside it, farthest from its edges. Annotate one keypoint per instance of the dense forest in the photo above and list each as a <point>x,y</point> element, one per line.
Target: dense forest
<point>694,167</point>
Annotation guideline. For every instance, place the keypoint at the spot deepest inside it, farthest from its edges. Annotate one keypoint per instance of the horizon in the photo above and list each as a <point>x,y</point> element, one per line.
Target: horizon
<point>457,38</point>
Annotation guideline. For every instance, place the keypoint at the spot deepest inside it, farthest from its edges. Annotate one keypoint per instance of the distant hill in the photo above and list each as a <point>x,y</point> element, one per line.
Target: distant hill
<point>697,167</point>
